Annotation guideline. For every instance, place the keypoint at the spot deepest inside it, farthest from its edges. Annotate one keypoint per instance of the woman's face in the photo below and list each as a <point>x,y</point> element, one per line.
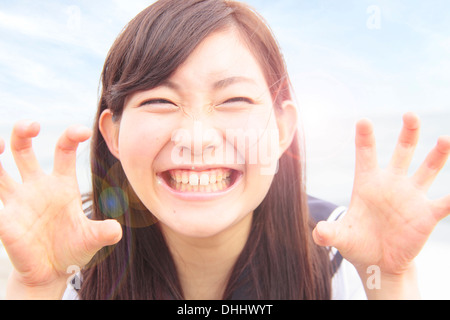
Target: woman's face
<point>201,150</point>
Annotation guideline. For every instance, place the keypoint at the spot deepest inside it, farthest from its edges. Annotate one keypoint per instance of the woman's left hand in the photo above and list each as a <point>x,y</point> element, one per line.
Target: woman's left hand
<point>390,216</point>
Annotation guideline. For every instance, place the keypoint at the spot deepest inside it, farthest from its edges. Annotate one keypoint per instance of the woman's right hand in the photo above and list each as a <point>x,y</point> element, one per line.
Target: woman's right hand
<point>42,225</point>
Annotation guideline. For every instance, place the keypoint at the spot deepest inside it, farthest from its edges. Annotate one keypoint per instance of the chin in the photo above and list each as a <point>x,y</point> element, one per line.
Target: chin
<point>201,224</point>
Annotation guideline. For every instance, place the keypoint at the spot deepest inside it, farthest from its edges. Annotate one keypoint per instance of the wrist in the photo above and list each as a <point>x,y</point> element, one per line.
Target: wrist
<point>19,290</point>
<point>380,285</point>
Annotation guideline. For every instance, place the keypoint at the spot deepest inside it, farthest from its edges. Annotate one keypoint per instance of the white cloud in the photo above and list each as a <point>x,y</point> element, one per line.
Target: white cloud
<point>18,23</point>
<point>27,71</point>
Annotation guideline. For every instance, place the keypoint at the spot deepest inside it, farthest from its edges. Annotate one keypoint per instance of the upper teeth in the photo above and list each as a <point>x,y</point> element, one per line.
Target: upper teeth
<point>193,179</point>
<point>197,178</point>
<point>204,179</point>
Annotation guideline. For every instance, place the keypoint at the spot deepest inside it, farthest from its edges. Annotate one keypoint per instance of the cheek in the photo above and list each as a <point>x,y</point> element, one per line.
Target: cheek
<point>261,148</point>
<point>139,143</point>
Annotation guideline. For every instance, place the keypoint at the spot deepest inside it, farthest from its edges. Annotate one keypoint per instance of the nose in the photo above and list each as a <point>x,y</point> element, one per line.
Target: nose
<point>195,144</point>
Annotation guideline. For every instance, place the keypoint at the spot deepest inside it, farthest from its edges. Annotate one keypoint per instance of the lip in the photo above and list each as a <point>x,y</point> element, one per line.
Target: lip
<point>200,196</point>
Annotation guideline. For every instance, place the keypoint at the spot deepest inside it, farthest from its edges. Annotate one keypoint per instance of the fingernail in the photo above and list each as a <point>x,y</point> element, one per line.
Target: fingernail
<point>31,125</point>
<point>83,131</point>
<point>80,128</point>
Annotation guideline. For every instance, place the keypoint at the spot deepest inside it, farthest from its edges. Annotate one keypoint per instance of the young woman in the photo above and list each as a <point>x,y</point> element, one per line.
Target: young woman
<point>198,179</point>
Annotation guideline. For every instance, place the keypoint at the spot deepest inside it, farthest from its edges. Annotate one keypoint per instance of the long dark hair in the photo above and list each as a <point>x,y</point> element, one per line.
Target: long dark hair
<point>280,259</point>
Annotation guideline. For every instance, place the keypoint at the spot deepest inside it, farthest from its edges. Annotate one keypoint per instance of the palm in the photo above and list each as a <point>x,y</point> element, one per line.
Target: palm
<point>37,208</point>
<point>390,225</point>
<point>390,217</point>
<point>43,227</point>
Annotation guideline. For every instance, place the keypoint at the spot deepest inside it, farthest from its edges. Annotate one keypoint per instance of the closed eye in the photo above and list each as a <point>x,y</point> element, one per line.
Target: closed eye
<point>239,99</point>
<point>236,104</point>
<point>157,101</point>
<point>159,106</point>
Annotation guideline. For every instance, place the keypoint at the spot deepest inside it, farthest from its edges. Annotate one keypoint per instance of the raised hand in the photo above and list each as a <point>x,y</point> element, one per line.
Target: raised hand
<point>42,226</point>
<point>390,216</point>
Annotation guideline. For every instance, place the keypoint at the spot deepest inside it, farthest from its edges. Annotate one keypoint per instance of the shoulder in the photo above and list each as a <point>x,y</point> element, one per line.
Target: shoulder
<point>71,292</point>
<point>346,283</point>
<point>321,210</point>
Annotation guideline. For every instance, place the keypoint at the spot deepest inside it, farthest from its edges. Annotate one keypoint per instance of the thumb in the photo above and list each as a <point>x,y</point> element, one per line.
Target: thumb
<point>326,234</point>
<point>106,233</point>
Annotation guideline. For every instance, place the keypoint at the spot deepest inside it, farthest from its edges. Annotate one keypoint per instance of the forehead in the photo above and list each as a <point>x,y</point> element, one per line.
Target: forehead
<point>220,56</point>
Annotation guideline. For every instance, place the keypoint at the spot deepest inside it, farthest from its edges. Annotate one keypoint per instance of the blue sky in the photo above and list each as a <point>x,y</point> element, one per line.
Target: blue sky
<point>52,52</point>
<point>347,59</point>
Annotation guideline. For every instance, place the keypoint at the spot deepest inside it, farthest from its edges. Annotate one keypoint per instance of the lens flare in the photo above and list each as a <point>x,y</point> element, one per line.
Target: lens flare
<point>113,202</point>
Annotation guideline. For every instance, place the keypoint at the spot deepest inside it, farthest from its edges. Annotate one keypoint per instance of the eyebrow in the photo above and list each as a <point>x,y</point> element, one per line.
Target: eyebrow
<point>221,84</point>
<point>170,84</point>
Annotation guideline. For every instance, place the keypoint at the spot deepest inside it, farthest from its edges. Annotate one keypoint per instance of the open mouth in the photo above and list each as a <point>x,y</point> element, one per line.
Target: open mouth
<point>201,182</point>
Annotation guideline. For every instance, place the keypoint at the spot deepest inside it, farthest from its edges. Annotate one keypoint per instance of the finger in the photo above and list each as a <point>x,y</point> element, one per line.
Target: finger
<point>433,164</point>
<point>441,208</point>
<point>66,149</point>
<point>366,154</point>
<point>22,148</point>
<point>2,146</point>
<point>7,184</point>
<point>329,234</point>
<point>323,234</point>
<point>406,145</point>
<point>104,233</point>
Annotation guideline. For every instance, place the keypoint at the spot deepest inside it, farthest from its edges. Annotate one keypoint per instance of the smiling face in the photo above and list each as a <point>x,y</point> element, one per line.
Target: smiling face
<point>201,149</point>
